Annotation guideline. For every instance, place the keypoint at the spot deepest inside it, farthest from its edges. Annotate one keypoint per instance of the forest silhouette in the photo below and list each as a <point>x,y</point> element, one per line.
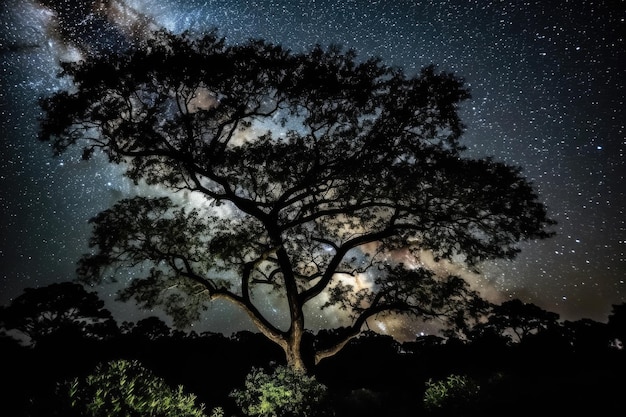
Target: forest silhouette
<point>555,367</point>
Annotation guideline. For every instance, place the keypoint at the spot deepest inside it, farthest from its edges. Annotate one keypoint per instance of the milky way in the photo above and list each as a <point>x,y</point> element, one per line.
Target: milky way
<point>547,81</point>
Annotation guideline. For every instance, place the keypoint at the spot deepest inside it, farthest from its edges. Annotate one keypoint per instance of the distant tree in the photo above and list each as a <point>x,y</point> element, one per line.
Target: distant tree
<point>61,307</point>
<point>151,328</point>
<point>490,334</point>
<point>423,342</point>
<point>617,322</point>
<point>586,335</point>
<point>306,172</point>
<point>515,320</point>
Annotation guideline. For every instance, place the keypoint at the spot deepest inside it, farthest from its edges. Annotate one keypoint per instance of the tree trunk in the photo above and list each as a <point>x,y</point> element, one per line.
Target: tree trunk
<point>293,350</point>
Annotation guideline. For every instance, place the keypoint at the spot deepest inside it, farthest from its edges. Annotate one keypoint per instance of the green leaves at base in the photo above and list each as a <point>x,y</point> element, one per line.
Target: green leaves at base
<point>125,388</point>
<point>454,392</point>
<point>284,392</point>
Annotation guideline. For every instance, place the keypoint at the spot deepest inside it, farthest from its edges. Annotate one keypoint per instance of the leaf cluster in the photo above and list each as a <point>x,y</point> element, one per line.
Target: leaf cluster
<point>454,393</point>
<point>125,388</point>
<point>281,393</point>
<point>66,306</point>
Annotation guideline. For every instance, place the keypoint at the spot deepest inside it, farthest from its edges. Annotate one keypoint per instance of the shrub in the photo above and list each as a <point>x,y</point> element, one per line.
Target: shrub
<point>125,388</point>
<point>452,393</point>
<point>285,392</point>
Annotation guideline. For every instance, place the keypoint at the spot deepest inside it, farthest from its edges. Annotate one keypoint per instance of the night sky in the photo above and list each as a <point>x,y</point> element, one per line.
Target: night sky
<point>548,90</point>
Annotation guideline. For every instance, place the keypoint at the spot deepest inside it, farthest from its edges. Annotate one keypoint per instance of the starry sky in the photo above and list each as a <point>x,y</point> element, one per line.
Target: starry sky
<point>548,90</point>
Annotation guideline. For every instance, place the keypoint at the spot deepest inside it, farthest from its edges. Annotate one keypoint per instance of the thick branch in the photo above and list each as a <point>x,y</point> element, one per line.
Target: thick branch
<point>243,301</point>
<point>355,329</point>
<point>341,252</point>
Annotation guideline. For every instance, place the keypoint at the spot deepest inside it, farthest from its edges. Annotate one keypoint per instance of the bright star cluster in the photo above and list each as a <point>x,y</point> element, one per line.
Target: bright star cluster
<point>548,91</point>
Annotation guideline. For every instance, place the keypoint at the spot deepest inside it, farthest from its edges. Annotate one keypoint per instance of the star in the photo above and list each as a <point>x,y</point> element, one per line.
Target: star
<point>548,95</point>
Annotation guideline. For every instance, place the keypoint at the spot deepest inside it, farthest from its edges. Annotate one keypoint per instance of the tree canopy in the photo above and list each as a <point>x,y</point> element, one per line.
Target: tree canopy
<point>61,307</point>
<point>516,320</point>
<point>312,168</point>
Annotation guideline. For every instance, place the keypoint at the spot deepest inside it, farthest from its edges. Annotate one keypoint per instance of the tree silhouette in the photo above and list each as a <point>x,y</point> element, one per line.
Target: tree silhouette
<point>587,336</point>
<point>515,320</point>
<point>151,328</point>
<point>311,168</point>
<point>617,322</point>
<point>61,307</point>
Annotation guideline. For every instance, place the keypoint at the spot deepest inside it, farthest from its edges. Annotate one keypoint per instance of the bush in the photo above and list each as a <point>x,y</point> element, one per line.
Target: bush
<point>453,393</point>
<point>285,392</point>
<point>125,388</point>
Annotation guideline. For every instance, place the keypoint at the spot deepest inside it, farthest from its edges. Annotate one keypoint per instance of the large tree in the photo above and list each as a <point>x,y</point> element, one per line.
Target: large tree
<point>314,169</point>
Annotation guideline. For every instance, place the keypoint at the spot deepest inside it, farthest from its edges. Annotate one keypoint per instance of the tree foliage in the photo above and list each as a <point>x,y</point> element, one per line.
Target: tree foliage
<point>283,392</point>
<point>126,388</point>
<point>617,322</point>
<point>151,328</point>
<point>60,307</point>
<point>452,394</point>
<point>516,319</point>
<point>312,168</point>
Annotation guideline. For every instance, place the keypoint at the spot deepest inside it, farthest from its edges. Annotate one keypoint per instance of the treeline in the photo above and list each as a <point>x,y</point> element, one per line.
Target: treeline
<point>518,360</point>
